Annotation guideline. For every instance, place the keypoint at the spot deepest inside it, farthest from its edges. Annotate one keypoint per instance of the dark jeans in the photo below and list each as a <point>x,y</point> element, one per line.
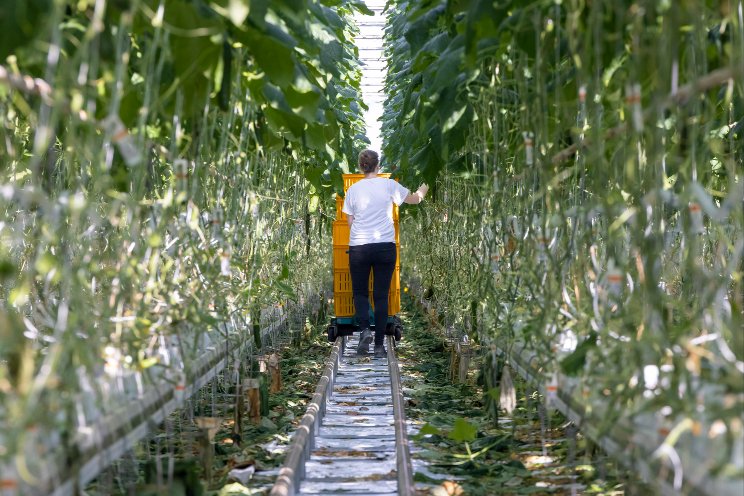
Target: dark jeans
<point>380,258</point>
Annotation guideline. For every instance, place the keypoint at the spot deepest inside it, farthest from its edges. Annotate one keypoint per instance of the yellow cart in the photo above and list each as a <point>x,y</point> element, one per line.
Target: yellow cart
<point>345,323</point>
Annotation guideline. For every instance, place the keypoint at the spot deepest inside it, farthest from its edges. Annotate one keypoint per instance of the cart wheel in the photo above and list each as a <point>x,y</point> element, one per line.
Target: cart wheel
<point>389,329</point>
<point>332,333</point>
<point>398,332</point>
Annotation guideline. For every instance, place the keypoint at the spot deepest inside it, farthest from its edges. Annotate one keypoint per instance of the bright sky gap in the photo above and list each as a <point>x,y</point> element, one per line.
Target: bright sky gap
<point>369,41</point>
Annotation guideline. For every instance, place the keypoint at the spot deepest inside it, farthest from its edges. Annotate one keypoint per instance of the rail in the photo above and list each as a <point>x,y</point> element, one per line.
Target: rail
<point>293,469</point>
<point>343,442</point>
<point>404,467</point>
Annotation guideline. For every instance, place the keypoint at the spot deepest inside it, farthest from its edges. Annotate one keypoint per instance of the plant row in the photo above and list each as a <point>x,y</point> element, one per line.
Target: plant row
<point>587,158</point>
<point>163,165</point>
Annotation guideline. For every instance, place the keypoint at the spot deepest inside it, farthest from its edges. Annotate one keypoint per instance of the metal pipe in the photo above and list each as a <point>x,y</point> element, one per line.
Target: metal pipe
<point>404,467</point>
<point>617,443</point>
<point>292,471</point>
<point>116,432</point>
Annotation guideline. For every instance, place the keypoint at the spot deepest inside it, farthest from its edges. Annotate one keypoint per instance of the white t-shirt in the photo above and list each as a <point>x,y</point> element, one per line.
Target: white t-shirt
<point>370,201</point>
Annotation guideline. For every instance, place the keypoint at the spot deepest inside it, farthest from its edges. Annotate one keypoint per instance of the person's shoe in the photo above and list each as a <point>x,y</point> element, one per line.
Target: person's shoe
<point>380,351</point>
<point>365,338</point>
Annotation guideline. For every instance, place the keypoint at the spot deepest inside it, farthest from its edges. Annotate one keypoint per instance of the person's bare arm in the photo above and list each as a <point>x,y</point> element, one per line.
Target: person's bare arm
<point>349,219</point>
<point>416,197</point>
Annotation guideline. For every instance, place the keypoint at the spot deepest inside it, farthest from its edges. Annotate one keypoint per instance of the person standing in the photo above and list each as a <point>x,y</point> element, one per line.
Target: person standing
<point>369,209</point>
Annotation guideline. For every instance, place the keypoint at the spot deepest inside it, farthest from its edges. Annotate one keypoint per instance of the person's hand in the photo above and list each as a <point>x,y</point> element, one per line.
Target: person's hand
<point>417,196</point>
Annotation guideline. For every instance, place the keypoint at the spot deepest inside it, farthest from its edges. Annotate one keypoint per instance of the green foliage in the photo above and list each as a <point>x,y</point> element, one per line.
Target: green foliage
<point>463,431</point>
<point>156,199</point>
<point>21,22</point>
<point>574,363</point>
<point>501,459</point>
<point>592,212</point>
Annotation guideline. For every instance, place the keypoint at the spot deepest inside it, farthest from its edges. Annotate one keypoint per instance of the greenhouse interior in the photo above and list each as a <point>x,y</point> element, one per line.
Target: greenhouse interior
<point>179,241</point>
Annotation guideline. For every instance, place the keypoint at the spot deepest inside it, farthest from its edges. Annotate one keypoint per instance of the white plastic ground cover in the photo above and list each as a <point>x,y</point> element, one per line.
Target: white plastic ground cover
<point>115,411</point>
<point>637,442</point>
<point>353,438</point>
<point>347,455</point>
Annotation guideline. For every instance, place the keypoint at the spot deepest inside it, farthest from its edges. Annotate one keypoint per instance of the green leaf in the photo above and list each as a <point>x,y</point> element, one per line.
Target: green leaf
<point>481,23</point>
<point>448,70</point>
<point>330,53</point>
<point>313,175</point>
<point>463,431</point>
<point>285,289</point>
<point>7,268</point>
<point>146,363</point>
<point>283,122</point>
<point>315,139</point>
<point>279,114</point>
<point>271,54</point>
<point>45,263</point>
<point>362,8</point>
<point>268,424</point>
<point>19,295</point>
<point>155,240</point>
<point>304,103</point>
<point>194,57</point>
<point>235,10</point>
<point>616,64</point>
<point>313,203</point>
<point>429,429</point>
<point>418,32</point>
<point>21,21</point>
<point>329,17</point>
<point>454,118</point>
<point>574,362</point>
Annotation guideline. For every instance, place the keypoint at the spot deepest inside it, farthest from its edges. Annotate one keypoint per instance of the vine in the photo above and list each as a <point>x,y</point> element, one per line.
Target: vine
<point>588,167</point>
<point>162,160</point>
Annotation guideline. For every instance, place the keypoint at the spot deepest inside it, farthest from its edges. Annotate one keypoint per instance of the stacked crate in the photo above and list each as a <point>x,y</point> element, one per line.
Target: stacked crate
<point>342,294</point>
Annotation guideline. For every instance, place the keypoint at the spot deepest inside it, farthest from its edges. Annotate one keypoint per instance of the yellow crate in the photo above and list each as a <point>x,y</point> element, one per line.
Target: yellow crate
<point>339,207</point>
<point>394,294</point>
<point>340,233</point>
<point>350,179</point>
<point>344,298</point>
<point>342,281</point>
<point>343,303</point>
<point>340,258</point>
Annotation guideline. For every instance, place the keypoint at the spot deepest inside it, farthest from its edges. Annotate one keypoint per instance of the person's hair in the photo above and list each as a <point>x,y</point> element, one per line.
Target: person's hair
<point>368,160</point>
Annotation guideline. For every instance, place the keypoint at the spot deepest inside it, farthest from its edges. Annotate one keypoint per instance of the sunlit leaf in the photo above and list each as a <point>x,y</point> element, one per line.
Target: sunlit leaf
<point>463,431</point>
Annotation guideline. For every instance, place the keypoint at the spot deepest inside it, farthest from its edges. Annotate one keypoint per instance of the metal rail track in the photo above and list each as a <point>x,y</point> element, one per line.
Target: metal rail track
<point>353,438</point>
